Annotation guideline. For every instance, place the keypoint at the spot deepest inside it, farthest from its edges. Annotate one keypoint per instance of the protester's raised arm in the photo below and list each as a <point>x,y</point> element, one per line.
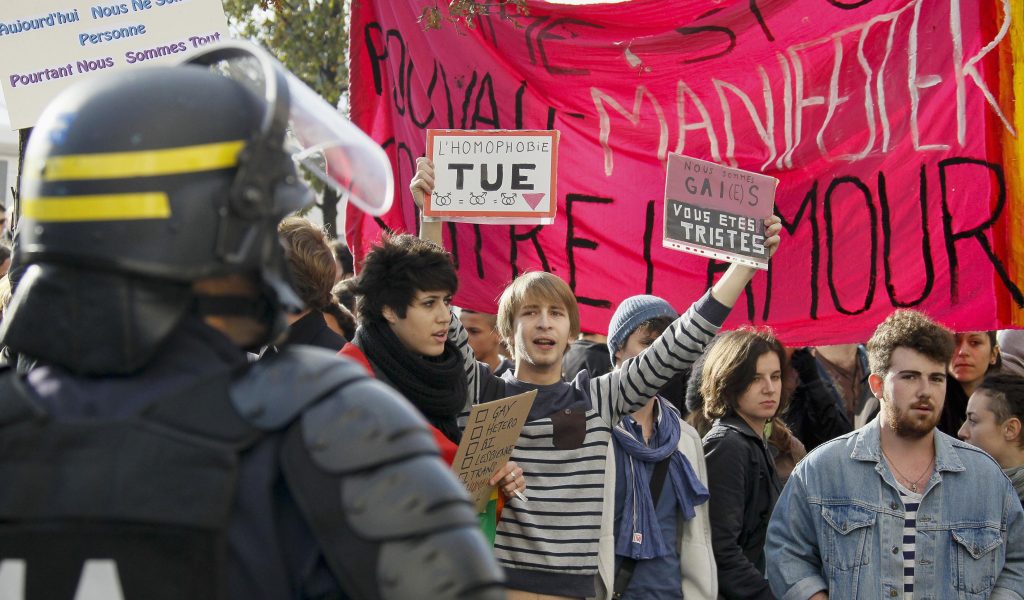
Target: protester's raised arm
<point>630,387</point>
<point>728,289</point>
<point>422,184</point>
<point>457,334</point>
<point>481,384</point>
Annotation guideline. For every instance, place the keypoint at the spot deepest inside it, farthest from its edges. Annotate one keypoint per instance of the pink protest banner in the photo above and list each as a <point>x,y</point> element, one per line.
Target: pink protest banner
<point>892,126</point>
<point>717,211</point>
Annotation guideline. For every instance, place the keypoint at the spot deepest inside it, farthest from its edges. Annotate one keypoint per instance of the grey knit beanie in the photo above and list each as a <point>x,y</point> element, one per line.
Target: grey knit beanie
<point>630,314</point>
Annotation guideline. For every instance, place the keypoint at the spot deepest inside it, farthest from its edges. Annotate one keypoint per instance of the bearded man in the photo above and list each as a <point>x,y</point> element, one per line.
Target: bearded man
<point>896,508</point>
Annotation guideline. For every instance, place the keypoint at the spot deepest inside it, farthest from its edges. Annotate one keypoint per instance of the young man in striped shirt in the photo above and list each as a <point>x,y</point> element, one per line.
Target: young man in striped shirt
<point>897,509</point>
<point>549,545</point>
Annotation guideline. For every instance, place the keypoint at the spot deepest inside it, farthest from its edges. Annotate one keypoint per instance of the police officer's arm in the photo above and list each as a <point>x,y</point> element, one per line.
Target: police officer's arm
<point>792,553</point>
<point>422,184</point>
<point>391,520</point>
<point>1010,582</point>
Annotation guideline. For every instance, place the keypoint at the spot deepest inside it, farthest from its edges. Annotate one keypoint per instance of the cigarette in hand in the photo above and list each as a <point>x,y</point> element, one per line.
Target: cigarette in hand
<point>520,495</point>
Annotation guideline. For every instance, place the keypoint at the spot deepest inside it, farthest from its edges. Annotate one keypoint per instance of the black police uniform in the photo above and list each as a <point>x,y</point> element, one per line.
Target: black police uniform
<point>144,457</point>
<point>255,466</point>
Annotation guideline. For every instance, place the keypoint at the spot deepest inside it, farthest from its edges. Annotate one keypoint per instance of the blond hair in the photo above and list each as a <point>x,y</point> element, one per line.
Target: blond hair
<point>535,286</point>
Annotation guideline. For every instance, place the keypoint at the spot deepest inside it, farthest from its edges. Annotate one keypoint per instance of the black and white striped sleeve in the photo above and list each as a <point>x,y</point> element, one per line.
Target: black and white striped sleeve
<point>457,335</point>
<point>629,388</point>
<point>481,384</point>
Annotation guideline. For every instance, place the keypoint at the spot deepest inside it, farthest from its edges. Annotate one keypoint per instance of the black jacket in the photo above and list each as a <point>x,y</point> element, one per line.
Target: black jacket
<point>744,488</point>
<point>817,412</point>
<point>585,355</point>
<point>954,408</point>
<point>312,330</point>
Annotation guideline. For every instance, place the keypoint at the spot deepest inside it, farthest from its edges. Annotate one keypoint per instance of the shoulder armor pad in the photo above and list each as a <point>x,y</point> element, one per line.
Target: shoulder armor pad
<point>455,564</point>
<point>16,403</point>
<point>386,510</point>
<point>278,387</point>
<point>362,426</point>
<point>408,498</point>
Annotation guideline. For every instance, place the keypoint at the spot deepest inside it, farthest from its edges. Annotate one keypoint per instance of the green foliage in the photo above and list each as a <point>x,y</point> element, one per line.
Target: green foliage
<point>310,38</point>
<point>466,12</point>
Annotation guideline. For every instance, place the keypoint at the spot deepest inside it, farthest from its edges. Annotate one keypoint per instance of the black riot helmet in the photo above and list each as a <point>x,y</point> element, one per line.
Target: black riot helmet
<point>156,177</point>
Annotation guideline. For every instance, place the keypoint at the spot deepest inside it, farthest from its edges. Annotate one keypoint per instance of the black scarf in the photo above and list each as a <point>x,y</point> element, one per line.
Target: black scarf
<point>436,386</point>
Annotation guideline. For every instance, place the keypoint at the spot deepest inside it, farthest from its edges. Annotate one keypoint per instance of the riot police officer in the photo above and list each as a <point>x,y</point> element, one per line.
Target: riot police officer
<point>144,456</point>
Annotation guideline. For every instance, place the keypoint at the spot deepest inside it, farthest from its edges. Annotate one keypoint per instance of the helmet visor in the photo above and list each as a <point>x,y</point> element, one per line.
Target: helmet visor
<point>317,135</point>
<point>336,151</point>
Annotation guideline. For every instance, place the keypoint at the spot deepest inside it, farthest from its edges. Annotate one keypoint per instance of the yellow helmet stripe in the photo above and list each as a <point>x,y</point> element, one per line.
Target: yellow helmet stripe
<point>144,163</point>
<point>106,207</point>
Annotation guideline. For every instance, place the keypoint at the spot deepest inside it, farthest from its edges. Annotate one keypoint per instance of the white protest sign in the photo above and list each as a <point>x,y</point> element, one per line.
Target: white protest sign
<point>491,433</point>
<point>495,176</point>
<point>49,44</point>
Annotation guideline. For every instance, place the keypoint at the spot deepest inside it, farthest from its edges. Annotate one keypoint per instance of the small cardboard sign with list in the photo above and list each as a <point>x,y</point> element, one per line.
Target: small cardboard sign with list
<point>490,436</point>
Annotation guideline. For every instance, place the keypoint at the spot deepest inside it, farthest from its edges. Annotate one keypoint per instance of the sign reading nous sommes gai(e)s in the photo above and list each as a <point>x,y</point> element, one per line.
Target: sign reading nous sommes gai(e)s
<point>49,44</point>
<point>717,211</point>
<point>493,176</point>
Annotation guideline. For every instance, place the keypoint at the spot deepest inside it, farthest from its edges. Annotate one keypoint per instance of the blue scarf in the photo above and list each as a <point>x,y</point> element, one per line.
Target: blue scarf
<point>639,535</point>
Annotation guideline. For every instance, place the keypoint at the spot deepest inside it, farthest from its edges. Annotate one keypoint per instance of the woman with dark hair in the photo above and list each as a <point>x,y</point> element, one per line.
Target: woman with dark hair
<point>741,382</point>
<point>404,292</point>
<point>976,355</point>
<point>995,423</point>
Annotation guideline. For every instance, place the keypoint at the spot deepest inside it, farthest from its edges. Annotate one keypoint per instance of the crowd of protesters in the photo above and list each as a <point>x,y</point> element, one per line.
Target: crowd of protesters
<point>666,460</point>
<point>660,460</point>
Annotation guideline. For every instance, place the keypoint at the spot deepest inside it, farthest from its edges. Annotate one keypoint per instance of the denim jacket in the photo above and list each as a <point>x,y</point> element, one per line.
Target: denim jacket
<point>838,526</point>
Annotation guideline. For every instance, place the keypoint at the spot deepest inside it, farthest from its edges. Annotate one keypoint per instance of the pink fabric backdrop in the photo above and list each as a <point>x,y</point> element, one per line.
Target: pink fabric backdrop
<point>879,117</point>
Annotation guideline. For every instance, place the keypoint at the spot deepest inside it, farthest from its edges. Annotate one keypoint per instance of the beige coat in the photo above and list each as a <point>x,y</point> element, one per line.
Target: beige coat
<point>697,564</point>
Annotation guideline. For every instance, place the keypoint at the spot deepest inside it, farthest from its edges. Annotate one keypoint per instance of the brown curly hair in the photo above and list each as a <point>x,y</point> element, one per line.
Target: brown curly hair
<point>908,329</point>
<point>310,261</point>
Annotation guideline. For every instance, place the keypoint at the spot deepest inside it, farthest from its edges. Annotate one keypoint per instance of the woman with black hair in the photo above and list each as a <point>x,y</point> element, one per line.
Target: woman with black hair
<point>976,355</point>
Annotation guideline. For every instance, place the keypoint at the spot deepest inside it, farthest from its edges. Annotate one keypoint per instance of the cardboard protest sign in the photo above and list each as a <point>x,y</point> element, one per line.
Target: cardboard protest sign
<point>493,176</point>
<point>717,211</point>
<point>49,44</point>
<point>487,443</point>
